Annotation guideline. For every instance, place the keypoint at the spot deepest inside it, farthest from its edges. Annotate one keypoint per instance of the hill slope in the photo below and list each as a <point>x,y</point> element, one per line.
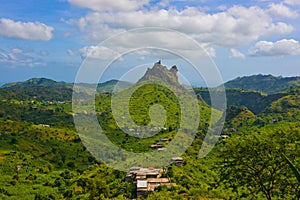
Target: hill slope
<point>240,97</point>
<point>265,83</point>
<point>37,82</point>
<point>108,86</point>
<point>49,84</point>
<point>50,162</point>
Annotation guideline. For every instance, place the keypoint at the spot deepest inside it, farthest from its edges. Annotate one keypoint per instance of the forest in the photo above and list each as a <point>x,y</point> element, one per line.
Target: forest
<point>43,157</point>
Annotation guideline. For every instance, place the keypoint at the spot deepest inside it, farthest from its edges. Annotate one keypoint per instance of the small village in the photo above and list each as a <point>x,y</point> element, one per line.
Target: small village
<point>146,179</point>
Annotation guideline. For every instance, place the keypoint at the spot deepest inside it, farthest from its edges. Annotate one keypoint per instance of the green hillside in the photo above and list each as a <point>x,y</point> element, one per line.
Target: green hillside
<point>42,156</point>
<point>37,82</point>
<point>47,84</point>
<point>50,162</point>
<point>285,108</point>
<point>265,83</point>
<point>253,100</point>
<point>108,86</point>
<point>238,116</point>
<point>40,93</point>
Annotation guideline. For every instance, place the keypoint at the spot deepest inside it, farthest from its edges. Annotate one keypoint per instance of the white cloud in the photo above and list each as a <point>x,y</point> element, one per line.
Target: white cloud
<point>153,42</point>
<point>279,28</point>
<point>98,52</point>
<point>18,57</point>
<point>282,47</point>
<point>159,42</point>
<point>237,25</point>
<point>222,7</point>
<point>110,5</point>
<point>164,3</point>
<point>280,10</point>
<point>236,54</point>
<point>292,2</point>
<point>25,30</point>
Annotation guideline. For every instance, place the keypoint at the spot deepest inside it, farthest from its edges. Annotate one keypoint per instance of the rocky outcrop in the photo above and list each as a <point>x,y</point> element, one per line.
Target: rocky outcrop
<point>161,72</point>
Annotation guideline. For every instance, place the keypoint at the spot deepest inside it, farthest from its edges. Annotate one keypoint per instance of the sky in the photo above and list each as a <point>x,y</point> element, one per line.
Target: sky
<point>53,38</point>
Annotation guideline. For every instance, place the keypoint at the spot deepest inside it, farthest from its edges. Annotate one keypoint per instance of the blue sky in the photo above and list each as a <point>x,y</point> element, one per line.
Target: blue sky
<point>51,38</point>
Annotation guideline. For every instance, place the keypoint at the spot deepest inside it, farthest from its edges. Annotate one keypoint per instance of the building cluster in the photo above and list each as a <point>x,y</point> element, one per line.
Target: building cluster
<point>147,179</point>
<point>159,146</point>
<point>44,125</point>
<point>178,161</point>
<point>55,102</point>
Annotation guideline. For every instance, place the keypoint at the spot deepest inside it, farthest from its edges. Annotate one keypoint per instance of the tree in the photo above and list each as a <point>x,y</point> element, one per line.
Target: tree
<point>13,141</point>
<point>254,161</point>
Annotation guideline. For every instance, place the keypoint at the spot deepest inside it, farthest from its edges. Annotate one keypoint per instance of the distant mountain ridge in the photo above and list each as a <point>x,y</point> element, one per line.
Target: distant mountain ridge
<point>265,83</point>
<point>38,82</point>
<point>253,100</point>
<point>107,86</point>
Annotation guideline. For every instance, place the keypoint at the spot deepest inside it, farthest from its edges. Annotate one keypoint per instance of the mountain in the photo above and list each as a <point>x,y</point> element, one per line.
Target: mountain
<point>38,82</point>
<point>237,116</point>
<point>161,72</point>
<point>156,86</point>
<point>47,89</point>
<point>109,86</point>
<point>241,97</point>
<point>265,83</point>
<point>287,107</point>
<point>43,157</point>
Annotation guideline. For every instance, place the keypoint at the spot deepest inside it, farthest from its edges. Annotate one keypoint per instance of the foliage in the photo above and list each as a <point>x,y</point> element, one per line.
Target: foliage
<point>242,97</point>
<point>255,162</point>
<point>266,83</point>
<point>38,162</point>
<point>293,167</point>
<point>37,82</point>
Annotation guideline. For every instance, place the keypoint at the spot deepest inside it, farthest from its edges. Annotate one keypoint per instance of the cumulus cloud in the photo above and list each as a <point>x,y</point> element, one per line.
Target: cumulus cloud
<point>18,57</point>
<point>237,25</point>
<point>292,2</point>
<point>282,47</point>
<point>25,30</point>
<point>280,10</point>
<point>109,5</point>
<point>279,29</point>
<point>163,43</point>
<point>98,52</point>
<point>236,54</point>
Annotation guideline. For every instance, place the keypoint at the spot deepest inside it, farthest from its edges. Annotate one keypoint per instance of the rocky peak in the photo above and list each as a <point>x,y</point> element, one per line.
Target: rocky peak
<point>159,71</point>
<point>174,70</point>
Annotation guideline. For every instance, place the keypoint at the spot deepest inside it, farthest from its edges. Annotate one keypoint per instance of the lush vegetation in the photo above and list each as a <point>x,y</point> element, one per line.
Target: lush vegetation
<point>37,82</point>
<point>44,85</point>
<point>49,162</point>
<point>265,83</point>
<point>242,97</point>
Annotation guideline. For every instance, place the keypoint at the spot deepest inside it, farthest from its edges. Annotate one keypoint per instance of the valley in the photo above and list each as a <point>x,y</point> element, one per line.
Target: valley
<point>43,157</point>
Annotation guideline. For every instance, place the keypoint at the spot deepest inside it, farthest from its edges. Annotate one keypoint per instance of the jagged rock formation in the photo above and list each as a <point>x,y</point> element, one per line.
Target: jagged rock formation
<point>161,72</point>
<point>174,70</point>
